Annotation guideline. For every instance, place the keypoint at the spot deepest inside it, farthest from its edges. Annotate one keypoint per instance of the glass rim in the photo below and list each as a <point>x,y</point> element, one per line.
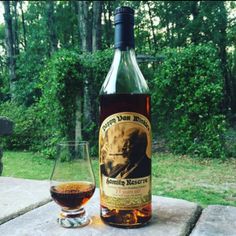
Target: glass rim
<point>73,143</point>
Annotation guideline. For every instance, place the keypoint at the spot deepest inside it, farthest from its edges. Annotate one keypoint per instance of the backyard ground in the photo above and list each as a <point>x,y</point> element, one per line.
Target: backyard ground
<point>202,181</point>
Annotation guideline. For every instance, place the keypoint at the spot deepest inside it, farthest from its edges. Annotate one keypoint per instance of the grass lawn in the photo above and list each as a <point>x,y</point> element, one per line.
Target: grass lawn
<point>202,181</point>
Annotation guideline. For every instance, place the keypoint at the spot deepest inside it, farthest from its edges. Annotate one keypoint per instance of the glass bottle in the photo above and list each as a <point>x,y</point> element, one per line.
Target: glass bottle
<point>125,134</point>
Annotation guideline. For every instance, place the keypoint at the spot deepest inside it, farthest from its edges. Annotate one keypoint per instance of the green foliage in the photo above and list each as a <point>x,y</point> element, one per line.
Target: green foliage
<point>2,36</point>
<point>187,90</point>
<point>27,133</point>
<point>59,75</point>
<point>96,67</point>
<point>30,61</point>
<point>188,96</point>
<point>29,66</point>
<point>4,85</point>
<point>61,81</point>
<point>191,21</point>
<point>67,32</point>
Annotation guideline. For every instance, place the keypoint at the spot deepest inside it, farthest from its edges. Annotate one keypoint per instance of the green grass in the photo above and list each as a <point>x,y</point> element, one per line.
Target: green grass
<point>26,165</point>
<point>202,181</point>
<point>31,165</point>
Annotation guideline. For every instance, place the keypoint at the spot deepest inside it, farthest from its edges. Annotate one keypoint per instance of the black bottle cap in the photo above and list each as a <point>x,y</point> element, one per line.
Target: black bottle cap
<point>124,9</point>
<point>124,28</point>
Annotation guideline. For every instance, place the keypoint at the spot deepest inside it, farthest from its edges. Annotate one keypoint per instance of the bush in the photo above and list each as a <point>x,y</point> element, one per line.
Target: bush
<point>27,133</point>
<point>60,82</point>
<point>187,97</point>
<point>51,118</point>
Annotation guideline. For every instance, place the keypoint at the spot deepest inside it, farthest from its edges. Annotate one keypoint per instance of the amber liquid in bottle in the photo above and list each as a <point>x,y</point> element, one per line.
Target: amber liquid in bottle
<point>115,103</point>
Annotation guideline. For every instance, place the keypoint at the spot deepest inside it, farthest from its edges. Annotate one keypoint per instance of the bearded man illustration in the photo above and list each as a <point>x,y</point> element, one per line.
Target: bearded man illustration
<point>124,152</point>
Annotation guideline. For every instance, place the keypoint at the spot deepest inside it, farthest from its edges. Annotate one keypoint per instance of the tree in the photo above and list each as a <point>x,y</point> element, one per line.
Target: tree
<point>51,26</point>
<point>10,46</point>
<point>231,44</point>
<point>15,28</point>
<point>84,25</point>
<point>189,89</point>
<point>90,34</point>
<point>66,24</point>
<point>31,60</point>
<point>197,22</point>
<point>96,31</point>
<point>83,28</point>
<point>107,27</point>
<point>23,25</point>
<point>152,26</point>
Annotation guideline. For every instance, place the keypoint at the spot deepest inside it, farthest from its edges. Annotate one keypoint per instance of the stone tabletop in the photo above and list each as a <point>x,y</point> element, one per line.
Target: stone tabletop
<point>18,196</point>
<point>216,220</point>
<point>170,216</point>
<point>26,211</point>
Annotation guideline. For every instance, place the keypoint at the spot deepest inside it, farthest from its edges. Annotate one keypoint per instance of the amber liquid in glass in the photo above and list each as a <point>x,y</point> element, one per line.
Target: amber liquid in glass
<point>111,104</point>
<point>72,195</point>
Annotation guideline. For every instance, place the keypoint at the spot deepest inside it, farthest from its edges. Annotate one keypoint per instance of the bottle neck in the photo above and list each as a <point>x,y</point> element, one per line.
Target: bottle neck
<point>124,36</point>
<point>125,55</point>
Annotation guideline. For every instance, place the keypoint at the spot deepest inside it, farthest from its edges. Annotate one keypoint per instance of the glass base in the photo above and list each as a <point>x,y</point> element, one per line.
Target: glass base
<point>73,219</point>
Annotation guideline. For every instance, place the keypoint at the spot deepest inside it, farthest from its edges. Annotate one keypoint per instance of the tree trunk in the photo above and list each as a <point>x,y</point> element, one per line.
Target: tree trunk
<point>84,25</point>
<point>72,27</point>
<point>105,27</point>
<point>195,12</point>
<point>10,47</point>
<point>152,27</point>
<point>96,32</point>
<point>167,31</point>
<point>77,39</point>
<point>109,24</point>
<point>78,118</point>
<point>85,36</point>
<point>23,25</point>
<point>15,25</point>
<point>233,79</point>
<point>2,65</point>
<point>51,26</point>
<point>228,85</point>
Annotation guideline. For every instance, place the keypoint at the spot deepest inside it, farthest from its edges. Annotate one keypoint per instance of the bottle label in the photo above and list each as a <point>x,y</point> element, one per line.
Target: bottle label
<point>125,161</point>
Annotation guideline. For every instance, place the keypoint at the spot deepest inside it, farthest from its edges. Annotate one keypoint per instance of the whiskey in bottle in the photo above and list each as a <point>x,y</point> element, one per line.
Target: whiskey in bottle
<point>125,134</point>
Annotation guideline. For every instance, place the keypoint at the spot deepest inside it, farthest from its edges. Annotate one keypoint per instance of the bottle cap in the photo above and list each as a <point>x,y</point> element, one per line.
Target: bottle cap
<point>124,27</point>
<point>126,10</point>
<point>124,14</point>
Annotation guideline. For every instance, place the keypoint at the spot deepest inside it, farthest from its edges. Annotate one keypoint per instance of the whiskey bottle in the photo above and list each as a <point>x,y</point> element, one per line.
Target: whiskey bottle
<point>125,134</point>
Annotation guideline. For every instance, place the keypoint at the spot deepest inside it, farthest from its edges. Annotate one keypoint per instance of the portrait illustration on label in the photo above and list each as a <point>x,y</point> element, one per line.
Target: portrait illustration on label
<point>123,152</point>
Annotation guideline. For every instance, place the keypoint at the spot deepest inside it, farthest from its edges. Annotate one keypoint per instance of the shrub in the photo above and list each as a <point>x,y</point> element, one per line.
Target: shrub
<point>52,117</point>
<point>187,97</point>
<point>60,82</point>
<point>27,133</point>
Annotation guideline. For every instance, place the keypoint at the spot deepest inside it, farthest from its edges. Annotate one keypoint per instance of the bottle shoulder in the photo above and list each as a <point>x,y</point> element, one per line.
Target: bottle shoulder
<point>124,76</point>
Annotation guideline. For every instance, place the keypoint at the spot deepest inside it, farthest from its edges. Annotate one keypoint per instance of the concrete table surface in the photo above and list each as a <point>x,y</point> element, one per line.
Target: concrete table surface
<point>18,196</point>
<point>170,217</point>
<point>216,220</point>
